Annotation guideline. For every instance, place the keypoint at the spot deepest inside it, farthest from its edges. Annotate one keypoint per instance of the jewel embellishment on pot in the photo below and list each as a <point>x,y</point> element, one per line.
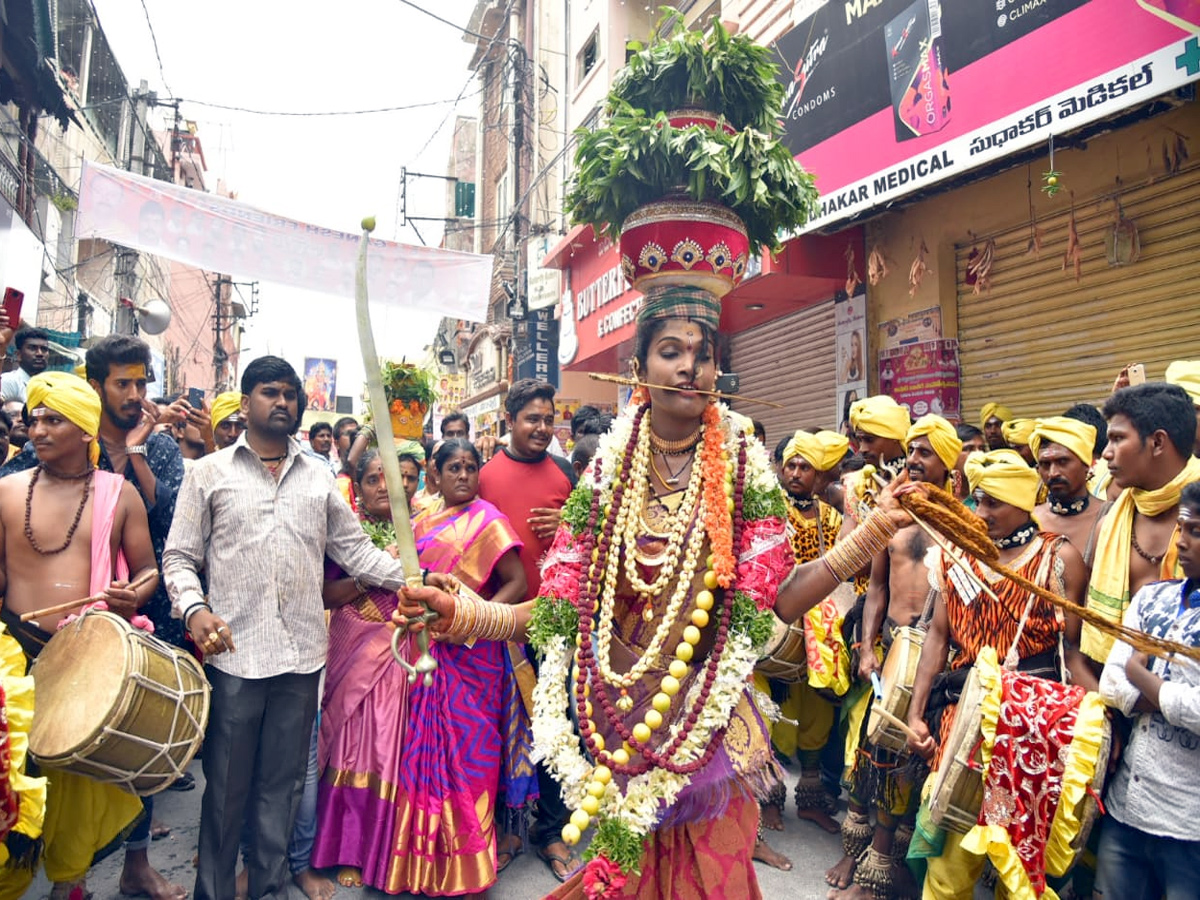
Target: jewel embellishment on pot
<point>687,253</point>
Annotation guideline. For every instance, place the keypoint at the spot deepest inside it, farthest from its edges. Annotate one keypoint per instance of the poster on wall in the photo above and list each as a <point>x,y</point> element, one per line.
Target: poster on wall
<point>923,377</point>
<point>452,390</point>
<point>320,383</point>
<point>914,328</point>
<point>850,325</point>
<point>887,97</point>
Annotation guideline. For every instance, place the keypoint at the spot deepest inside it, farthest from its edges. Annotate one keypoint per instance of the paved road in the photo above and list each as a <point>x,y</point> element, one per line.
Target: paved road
<point>811,850</point>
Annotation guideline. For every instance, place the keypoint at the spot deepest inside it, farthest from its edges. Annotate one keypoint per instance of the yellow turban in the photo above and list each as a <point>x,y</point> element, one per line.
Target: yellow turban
<point>224,406</point>
<point>70,396</point>
<point>881,416</point>
<point>1002,474</point>
<point>835,445</point>
<point>942,437</point>
<point>1185,374</point>
<point>1003,413</point>
<point>1017,432</point>
<point>1078,437</point>
<point>807,447</point>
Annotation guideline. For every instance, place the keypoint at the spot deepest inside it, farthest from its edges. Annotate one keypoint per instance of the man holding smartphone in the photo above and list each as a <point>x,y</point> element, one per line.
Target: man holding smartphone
<point>33,355</point>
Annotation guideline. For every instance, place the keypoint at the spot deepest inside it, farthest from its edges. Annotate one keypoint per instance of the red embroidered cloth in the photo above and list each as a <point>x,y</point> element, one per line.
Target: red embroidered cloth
<point>1024,781</point>
<point>9,803</point>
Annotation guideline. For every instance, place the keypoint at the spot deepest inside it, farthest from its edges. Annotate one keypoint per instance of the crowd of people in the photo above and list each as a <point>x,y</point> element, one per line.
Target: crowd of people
<point>599,611</point>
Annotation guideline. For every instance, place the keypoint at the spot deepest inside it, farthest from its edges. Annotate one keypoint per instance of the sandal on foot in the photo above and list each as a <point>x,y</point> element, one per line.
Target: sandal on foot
<point>569,862</point>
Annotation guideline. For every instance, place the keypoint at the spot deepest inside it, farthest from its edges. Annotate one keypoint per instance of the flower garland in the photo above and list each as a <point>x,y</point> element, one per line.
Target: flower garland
<point>741,506</point>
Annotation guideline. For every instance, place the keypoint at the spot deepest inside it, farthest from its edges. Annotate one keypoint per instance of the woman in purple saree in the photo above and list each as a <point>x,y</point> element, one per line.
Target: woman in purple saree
<point>412,776</point>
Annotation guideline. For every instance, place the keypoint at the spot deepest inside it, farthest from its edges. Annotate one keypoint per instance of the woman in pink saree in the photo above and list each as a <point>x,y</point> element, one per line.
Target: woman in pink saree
<point>412,776</point>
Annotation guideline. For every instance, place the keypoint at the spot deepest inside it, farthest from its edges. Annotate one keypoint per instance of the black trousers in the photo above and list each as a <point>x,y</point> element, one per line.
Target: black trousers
<point>255,759</point>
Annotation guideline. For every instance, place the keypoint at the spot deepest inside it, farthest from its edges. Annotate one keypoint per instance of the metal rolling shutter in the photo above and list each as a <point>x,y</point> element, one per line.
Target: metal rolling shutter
<point>1040,342</point>
<point>790,361</point>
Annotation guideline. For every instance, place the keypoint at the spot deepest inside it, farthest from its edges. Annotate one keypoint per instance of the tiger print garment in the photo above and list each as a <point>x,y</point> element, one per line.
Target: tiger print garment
<point>977,621</point>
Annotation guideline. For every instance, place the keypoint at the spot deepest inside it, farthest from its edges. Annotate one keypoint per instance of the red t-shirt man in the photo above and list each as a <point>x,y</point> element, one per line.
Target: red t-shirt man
<point>526,482</point>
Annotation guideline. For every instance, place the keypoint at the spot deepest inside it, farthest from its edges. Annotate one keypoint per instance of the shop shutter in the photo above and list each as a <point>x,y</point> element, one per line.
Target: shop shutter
<point>790,361</point>
<point>1040,342</point>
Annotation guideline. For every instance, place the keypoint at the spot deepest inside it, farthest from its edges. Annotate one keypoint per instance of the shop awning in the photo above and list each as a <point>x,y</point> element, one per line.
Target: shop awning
<point>810,268</point>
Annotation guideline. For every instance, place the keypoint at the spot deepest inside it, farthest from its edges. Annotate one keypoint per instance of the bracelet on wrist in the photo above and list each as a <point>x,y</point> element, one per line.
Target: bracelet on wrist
<point>191,611</point>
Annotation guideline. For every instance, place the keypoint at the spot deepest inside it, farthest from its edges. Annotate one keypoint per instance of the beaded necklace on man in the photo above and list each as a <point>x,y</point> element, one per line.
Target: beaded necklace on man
<point>83,476</point>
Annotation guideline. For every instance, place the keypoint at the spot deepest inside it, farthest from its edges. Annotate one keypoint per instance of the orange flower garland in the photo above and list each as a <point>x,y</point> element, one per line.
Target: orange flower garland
<point>718,523</point>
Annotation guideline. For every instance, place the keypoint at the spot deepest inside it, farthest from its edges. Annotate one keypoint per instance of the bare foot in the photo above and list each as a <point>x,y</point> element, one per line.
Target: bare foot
<point>820,818</point>
<point>315,885</point>
<point>764,853</point>
<point>841,876</point>
<point>140,879</point>
<point>772,818</point>
<point>508,848</point>
<point>856,892</point>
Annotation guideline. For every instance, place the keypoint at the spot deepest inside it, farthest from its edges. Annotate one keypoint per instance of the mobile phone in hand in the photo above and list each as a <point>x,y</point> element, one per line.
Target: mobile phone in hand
<point>12,306</point>
<point>1137,374</point>
<point>196,398</point>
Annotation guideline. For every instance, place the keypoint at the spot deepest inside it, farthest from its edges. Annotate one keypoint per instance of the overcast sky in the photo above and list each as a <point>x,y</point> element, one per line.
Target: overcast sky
<point>330,170</point>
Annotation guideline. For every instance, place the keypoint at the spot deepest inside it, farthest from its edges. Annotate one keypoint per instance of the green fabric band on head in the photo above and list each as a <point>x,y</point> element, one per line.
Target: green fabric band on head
<point>681,302</point>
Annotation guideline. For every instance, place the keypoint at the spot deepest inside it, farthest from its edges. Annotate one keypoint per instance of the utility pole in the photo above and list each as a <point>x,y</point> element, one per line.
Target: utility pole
<point>219,356</point>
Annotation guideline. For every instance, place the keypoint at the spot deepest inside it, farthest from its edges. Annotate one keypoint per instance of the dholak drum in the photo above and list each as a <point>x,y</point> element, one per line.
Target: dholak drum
<point>117,705</point>
<point>784,657</point>
<point>957,793</point>
<point>899,673</point>
<point>958,788</point>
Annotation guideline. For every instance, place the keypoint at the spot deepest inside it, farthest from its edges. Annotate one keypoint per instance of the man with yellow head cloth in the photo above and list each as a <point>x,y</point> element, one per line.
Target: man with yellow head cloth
<point>1186,374</point>
<point>1063,449</point>
<point>1016,434</point>
<point>992,417</point>
<point>813,527</point>
<point>118,370</point>
<point>966,617</point>
<point>898,597</point>
<point>62,521</point>
<point>880,426</point>
<point>226,417</point>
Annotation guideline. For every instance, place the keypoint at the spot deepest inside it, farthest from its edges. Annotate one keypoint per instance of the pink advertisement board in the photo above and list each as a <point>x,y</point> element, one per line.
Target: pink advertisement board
<point>886,97</point>
<point>923,377</point>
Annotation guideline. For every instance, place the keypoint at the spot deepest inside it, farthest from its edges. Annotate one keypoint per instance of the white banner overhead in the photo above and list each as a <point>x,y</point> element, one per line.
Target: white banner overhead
<point>223,235</point>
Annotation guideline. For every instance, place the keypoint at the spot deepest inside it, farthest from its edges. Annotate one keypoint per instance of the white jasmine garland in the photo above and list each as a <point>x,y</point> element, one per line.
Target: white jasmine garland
<point>641,804</point>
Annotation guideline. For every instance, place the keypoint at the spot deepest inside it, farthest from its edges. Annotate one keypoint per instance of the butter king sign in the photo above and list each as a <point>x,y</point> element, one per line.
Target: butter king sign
<point>887,97</point>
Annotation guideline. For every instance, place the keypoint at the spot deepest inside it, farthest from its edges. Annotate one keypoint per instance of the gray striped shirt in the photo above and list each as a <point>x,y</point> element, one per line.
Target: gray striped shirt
<point>262,544</point>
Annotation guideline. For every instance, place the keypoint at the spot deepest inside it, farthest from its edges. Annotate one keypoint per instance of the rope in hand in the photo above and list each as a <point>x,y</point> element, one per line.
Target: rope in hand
<point>947,515</point>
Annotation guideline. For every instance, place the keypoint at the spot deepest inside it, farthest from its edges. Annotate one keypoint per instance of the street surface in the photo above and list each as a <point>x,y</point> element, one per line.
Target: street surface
<point>812,851</point>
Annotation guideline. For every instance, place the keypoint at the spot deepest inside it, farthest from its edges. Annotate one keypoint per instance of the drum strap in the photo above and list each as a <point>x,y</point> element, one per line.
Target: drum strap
<point>31,638</point>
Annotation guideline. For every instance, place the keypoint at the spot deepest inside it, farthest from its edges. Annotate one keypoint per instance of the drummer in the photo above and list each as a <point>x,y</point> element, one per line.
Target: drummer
<point>898,595</point>
<point>813,527</point>
<point>55,518</point>
<point>1005,490</point>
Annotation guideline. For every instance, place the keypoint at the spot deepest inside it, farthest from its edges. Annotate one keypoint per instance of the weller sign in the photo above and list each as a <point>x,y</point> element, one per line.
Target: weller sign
<point>885,97</point>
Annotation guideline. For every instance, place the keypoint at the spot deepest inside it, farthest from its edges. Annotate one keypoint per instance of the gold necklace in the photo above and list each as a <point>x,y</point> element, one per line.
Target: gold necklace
<point>675,448</point>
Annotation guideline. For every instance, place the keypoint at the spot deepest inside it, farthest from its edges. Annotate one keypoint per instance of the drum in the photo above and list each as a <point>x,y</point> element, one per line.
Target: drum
<point>117,705</point>
<point>784,657</point>
<point>899,673</point>
<point>957,793</point>
<point>958,788</point>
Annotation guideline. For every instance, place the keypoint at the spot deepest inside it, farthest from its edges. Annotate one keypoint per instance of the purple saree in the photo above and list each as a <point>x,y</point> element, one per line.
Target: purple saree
<point>412,776</point>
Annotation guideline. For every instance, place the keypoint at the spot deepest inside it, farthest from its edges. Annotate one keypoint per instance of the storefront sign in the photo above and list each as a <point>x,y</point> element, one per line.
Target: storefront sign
<point>923,377</point>
<point>537,356</point>
<point>598,309</point>
<point>886,97</point>
<point>543,284</point>
<point>850,323</point>
<point>483,366</point>
<point>475,410</point>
